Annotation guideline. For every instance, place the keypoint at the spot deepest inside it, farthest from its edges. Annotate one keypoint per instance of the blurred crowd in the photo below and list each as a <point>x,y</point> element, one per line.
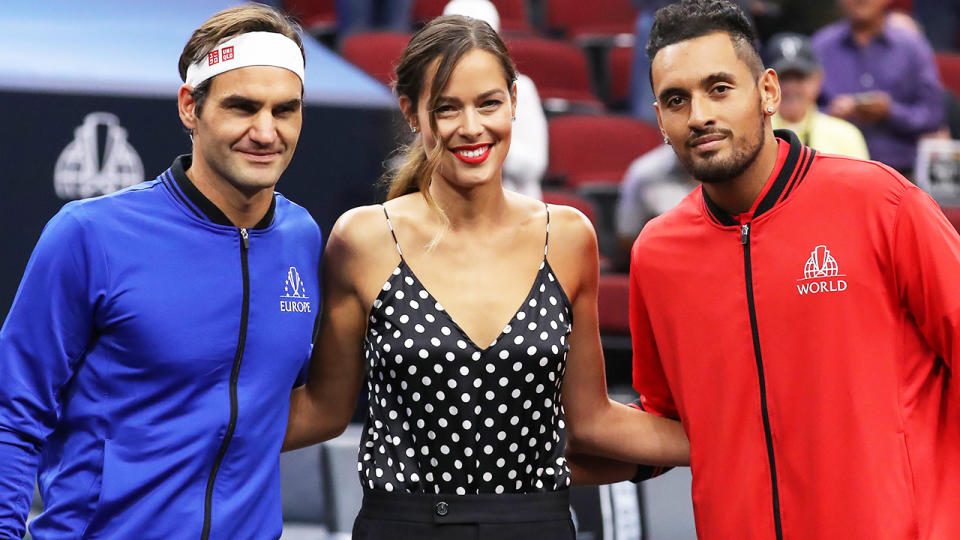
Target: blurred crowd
<point>864,78</point>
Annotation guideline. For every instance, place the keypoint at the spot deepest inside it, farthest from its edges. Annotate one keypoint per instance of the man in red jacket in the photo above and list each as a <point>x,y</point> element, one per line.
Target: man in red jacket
<point>799,312</point>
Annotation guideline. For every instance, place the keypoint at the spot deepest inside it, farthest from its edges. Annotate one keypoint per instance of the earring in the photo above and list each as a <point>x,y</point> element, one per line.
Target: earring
<point>769,110</point>
<point>665,139</point>
<point>513,118</point>
<point>413,129</point>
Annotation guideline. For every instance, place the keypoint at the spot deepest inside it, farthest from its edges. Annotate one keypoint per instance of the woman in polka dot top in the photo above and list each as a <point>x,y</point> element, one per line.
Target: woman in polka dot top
<point>471,312</point>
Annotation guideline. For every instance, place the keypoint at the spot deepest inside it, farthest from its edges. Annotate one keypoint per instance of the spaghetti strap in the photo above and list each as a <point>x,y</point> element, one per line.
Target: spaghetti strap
<point>394,235</point>
<point>546,240</point>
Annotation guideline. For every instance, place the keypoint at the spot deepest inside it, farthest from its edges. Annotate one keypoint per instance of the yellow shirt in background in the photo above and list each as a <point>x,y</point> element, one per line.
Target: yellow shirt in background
<point>825,133</point>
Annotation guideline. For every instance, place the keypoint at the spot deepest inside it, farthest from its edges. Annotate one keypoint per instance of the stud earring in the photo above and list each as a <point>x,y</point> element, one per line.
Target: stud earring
<point>769,110</point>
<point>513,118</point>
<point>665,139</point>
<point>413,129</point>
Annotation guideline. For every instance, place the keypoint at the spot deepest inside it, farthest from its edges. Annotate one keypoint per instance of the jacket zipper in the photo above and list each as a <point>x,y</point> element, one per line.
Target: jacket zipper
<point>234,375</point>
<point>745,240</point>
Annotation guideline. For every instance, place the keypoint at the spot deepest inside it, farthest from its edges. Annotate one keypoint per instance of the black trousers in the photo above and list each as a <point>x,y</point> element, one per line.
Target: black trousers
<point>416,516</point>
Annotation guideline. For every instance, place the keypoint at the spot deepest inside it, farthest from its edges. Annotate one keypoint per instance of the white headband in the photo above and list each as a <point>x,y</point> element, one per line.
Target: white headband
<point>250,49</point>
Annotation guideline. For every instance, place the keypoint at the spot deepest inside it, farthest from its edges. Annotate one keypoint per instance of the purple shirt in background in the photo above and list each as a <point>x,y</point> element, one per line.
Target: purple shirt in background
<point>898,62</point>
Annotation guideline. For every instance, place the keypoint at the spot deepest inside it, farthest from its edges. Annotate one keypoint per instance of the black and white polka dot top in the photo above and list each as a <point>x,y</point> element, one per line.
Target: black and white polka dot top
<point>449,416</point>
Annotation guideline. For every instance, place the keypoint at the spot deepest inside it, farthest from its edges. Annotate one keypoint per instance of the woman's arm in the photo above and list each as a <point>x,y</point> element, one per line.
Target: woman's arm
<point>321,409</point>
<point>596,424</point>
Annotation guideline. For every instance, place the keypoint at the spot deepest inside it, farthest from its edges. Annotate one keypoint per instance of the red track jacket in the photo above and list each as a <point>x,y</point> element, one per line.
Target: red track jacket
<point>808,347</point>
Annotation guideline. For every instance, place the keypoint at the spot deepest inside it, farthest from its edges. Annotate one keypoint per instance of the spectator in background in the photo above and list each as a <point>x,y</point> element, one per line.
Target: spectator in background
<point>793,58</point>
<point>527,161</point>
<point>882,78</point>
<point>654,183</point>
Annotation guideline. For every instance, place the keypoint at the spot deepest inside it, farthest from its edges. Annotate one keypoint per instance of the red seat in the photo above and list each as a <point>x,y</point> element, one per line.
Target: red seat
<point>905,6</point>
<point>597,148</point>
<point>577,18</point>
<point>953,215</point>
<point>613,303</point>
<point>948,64</point>
<point>513,13</point>
<point>424,10</point>
<point>313,14</point>
<point>573,200</point>
<point>376,53</point>
<point>619,61</point>
<point>559,69</point>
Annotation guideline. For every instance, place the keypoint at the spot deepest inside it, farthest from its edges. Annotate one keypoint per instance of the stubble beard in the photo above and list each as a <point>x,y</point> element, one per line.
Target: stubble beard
<point>717,170</point>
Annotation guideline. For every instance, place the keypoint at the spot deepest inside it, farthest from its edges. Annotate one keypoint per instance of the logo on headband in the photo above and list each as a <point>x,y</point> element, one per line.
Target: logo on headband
<point>213,57</point>
<point>227,53</point>
<point>216,55</point>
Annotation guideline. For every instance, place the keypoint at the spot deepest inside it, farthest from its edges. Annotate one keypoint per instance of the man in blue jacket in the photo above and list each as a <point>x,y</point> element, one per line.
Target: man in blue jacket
<point>147,360</point>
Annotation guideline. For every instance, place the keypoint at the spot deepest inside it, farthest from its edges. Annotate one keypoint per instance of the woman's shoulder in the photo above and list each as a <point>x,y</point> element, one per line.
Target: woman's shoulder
<point>570,226</point>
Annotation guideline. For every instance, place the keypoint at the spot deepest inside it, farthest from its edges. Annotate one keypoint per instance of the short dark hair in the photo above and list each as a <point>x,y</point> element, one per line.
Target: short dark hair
<point>690,19</point>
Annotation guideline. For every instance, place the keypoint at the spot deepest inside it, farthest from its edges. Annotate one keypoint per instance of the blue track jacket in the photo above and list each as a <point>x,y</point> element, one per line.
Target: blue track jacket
<point>146,366</point>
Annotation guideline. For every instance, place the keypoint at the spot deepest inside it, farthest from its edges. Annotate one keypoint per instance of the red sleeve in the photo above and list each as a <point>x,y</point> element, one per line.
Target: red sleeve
<point>927,265</point>
<point>648,376</point>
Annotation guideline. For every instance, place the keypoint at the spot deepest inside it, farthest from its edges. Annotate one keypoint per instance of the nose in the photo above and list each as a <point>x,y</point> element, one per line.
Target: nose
<point>701,112</point>
<point>263,130</point>
<point>471,124</point>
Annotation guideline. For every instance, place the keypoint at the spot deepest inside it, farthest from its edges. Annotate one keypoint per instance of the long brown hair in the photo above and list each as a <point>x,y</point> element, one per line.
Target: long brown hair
<point>443,41</point>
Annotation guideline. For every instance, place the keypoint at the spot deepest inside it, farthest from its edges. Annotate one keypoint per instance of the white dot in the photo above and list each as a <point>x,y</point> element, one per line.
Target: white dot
<point>386,286</point>
<point>452,383</point>
<point>490,395</point>
<point>532,326</point>
<point>429,317</point>
<point>516,393</point>
<point>440,395</point>
<point>490,368</point>
<point>428,407</point>
<point>521,315</point>
<point>502,409</point>
<point>533,302</point>
<point>423,294</point>
<point>419,328</point>
<point>527,404</point>
<point>504,355</point>
<point>423,353</point>
<point>543,362</point>
<point>466,424</point>
<point>399,295</point>
<point>438,368</point>
<point>425,380</point>
<point>476,355</point>
<point>465,397</point>
<point>412,369</point>
<point>445,330</point>
<point>447,476</point>
<point>408,343</point>
<point>507,329</point>
<point>414,304</point>
<point>388,310</point>
<point>517,366</point>
<point>531,350</point>
<point>464,370</point>
<point>462,344</point>
<point>488,422</point>
<point>461,491</point>
<point>487,476</point>
<point>404,318</point>
<point>488,449</point>
<point>529,377</point>
<point>518,340</point>
<point>544,335</point>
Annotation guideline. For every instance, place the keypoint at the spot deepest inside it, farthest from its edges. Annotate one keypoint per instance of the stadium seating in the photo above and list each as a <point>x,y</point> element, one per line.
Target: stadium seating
<point>314,15</point>
<point>948,64</point>
<point>573,200</point>
<point>513,14</point>
<point>376,53</point>
<point>578,19</point>
<point>618,69</point>
<point>559,70</point>
<point>953,215</point>
<point>586,149</point>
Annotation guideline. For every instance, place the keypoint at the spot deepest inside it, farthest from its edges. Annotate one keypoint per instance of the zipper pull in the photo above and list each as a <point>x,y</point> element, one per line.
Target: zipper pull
<point>244,238</point>
<point>745,233</point>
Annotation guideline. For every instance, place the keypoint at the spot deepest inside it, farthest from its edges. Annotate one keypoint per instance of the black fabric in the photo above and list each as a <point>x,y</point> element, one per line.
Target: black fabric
<point>414,516</point>
<point>447,415</point>
<point>210,210</point>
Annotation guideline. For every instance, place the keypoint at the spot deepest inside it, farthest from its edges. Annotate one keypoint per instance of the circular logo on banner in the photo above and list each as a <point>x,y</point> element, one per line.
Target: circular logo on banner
<point>79,174</point>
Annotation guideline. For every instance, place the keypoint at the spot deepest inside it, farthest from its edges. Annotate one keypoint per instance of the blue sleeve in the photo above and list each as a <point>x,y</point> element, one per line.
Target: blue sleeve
<point>45,335</point>
<point>923,112</point>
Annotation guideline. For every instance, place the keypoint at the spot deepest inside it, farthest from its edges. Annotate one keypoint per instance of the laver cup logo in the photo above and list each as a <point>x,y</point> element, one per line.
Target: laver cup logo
<point>821,274</point>
<point>294,293</point>
<point>79,173</point>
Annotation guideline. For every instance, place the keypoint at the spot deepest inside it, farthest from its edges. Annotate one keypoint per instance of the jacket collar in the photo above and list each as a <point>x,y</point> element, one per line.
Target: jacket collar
<point>199,204</point>
<point>791,173</point>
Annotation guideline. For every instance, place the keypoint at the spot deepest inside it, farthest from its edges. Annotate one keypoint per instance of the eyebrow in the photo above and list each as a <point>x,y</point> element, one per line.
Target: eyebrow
<point>709,80</point>
<point>235,100</point>
<point>485,95</point>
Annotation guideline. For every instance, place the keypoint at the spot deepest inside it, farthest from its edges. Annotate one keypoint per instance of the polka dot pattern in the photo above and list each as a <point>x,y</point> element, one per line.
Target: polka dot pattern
<point>448,416</point>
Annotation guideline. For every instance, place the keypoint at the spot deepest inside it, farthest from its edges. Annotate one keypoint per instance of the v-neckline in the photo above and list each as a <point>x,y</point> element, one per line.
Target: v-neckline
<point>544,266</point>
